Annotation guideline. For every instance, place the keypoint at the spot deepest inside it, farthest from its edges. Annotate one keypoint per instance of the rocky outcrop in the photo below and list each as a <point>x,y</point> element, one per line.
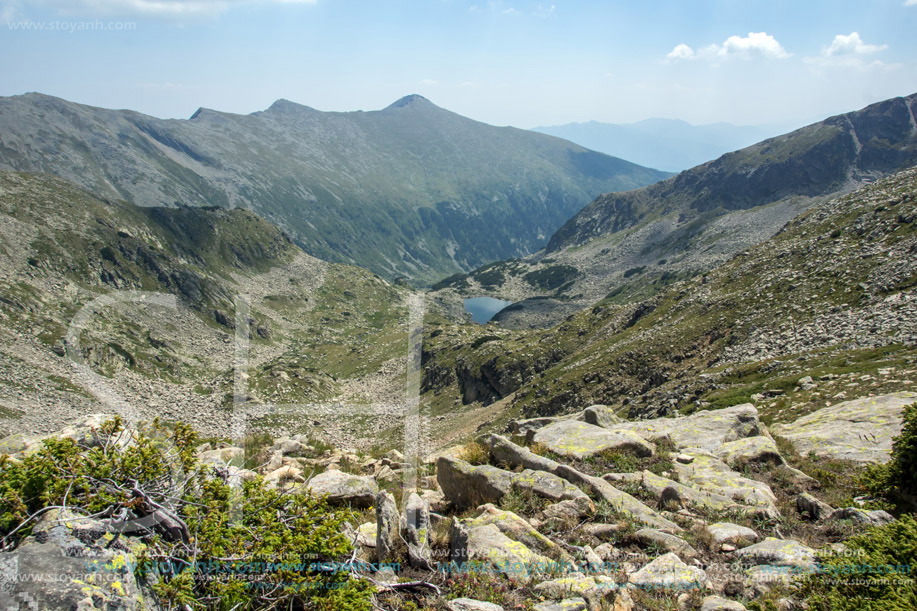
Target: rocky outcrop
<point>861,430</point>
<point>581,440</point>
<point>669,572</point>
<point>341,488</point>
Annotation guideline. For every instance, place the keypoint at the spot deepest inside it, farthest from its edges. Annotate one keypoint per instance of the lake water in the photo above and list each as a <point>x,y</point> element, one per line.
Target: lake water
<point>483,309</point>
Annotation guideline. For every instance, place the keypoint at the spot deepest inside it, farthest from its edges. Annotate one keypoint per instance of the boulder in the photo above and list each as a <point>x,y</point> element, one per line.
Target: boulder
<point>600,415</point>
<point>518,529</point>
<point>467,485</point>
<point>283,475</point>
<point>530,425</point>
<point>487,544</point>
<point>547,485</point>
<point>222,456</point>
<point>779,554</point>
<point>344,488</point>
<point>808,505</point>
<point>870,517</point>
<point>417,532</point>
<point>577,585</point>
<point>508,452</point>
<point>669,572</point>
<point>725,532</point>
<point>290,447</point>
<point>84,571</point>
<point>669,491</point>
<point>861,430</point>
<point>388,528</point>
<point>649,536</point>
<point>581,440</point>
<point>717,603</point>
<point>750,450</point>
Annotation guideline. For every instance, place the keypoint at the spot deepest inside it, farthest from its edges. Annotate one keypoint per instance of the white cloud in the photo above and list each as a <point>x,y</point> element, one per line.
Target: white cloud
<point>155,8</point>
<point>10,11</point>
<point>851,44</point>
<point>681,51</point>
<point>910,3</point>
<point>849,51</point>
<point>756,44</point>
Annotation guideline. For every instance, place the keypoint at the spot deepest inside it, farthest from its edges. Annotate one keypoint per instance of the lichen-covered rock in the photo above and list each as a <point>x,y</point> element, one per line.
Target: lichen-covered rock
<point>707,430</point>
<point>871,517</point>
<point>750,450</point>
<point>779,553</point>
<point>600,415</point>
<point>581,440</point>
<point>517,529</point>
<point>468,485</point>
<point>417,532</point>
<point>568,604</point>
<point>667,490</point>
<point>717,603</point>
<point>814,509</point>
<point>344,488</point>
<point>726,532</point>
<point>388,528</point>
<point>861,430</point>
<point>710,474</point>
<point>82,571</point>
<point>486,543</point>
<point>547,485</point>
<point>575,585</point>
<point>668,571</point>
<point>650,536</point>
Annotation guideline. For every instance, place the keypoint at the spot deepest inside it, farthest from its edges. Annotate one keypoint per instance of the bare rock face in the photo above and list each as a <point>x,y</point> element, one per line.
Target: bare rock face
<point>861,430</point>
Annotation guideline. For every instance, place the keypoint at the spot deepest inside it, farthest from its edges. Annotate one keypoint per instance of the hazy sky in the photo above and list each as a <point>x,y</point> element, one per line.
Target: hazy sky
<point>515,62</point>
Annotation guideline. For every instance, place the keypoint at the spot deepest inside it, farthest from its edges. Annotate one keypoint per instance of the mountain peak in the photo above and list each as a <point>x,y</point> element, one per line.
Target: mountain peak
<point>284,106</point>
<point>413,101</point>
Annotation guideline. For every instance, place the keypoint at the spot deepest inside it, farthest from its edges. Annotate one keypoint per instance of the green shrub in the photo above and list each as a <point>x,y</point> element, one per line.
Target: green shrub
<point>896,481</point>
<point>875,573</point>
<point>230,537</point>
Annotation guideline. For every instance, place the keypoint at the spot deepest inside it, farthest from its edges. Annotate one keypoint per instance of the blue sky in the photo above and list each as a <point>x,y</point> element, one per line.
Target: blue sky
<point>505,62</point>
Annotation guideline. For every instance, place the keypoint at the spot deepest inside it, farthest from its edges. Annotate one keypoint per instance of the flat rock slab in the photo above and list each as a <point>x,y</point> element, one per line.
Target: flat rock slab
<point>708,473</point>
<point>581,440</point>
<point>778,553</point>
<point>668,572</point>
<point>344,488</point>
<point>707,430</point>
<point>861,430</point>
<point>488,544</point>
<point>750,450</point>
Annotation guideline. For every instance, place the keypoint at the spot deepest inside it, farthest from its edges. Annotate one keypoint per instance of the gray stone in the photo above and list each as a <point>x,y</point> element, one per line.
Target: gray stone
<point>469,604</point>
<point>708,473</point>
<point>707,430</point>
<point>486,543</point>
<point>388,528</point>
<point>547,485</point>
<point>518,529</point>
<point>417,532</point>
<point>871,517</point>
<point>466,485</point>
<point>671,543</point>
<point>717,603</point>
<point>600,415</point>
<point>222,456</point>
<point>781,553</point>
<point>344,488</point>
<point>750,450</point>
<point>725,532</point>
<point>861,430</point>
<point>581,440</point>
<point>574,585</point>
<point>670,572</point>
<point>85,573</point>
<point>808,505</point>
<point>669,491</point>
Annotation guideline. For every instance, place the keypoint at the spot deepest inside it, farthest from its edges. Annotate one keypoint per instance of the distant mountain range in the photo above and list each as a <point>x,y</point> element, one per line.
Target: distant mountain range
<point>631,245</point>
<point>412,190</point>
<point>666,144</point>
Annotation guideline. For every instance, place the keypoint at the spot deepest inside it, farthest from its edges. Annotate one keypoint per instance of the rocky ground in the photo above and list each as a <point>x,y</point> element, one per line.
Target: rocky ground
<point>586,511</point>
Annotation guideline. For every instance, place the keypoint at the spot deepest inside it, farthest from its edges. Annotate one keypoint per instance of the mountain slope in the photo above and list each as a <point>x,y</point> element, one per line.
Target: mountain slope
<point>667,144</point>
<point>71,266</point>
<point>633,244</point>
<point>410,190</point>
<point>830,296</point>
